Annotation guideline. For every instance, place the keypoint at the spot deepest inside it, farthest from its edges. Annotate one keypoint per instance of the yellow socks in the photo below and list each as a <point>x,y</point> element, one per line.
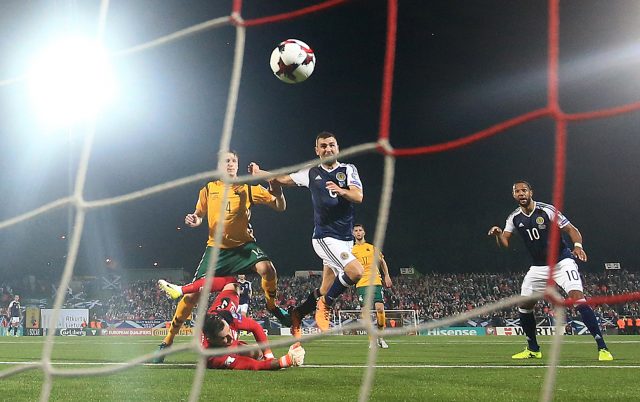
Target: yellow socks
<point>381,319</point>
<point>270,293</point>
<point>183,311</point>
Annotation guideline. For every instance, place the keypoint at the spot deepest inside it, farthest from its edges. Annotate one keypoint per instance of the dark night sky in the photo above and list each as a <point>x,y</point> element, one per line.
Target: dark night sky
<point>461,66</point>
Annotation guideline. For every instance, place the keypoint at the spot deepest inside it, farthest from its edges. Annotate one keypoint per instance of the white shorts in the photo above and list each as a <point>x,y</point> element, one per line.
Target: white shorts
<point>335,254</point>
<point>565,274</point>
<point>243,309</point>
<point>15,320</point>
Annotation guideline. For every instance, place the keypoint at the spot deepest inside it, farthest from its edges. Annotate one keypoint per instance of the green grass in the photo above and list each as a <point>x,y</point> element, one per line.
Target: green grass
<point>440,369</point>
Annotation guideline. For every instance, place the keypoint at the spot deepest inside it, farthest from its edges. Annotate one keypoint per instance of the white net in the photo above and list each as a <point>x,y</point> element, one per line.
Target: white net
<point>408,319</point>
<point>82,206</point>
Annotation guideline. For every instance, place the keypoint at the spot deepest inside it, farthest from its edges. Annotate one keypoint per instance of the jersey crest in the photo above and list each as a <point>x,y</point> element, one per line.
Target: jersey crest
<point>333,216</point>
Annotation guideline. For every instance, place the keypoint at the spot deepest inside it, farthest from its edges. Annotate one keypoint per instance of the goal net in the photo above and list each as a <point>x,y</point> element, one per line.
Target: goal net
<point>380,144</point>
<point>405,319</point>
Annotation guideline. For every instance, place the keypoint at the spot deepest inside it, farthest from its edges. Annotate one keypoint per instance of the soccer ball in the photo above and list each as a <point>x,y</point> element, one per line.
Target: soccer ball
<point>292,61</point>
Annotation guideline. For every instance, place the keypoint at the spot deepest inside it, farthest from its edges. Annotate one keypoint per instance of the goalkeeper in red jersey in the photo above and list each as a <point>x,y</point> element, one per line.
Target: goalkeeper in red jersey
<point>222,326</point>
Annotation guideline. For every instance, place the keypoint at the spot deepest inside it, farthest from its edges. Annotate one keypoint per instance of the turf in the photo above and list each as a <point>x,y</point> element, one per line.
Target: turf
<point>414,368</point>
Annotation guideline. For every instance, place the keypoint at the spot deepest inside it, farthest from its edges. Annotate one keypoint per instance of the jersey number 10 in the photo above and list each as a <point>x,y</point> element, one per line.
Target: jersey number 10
<point>533,234</point>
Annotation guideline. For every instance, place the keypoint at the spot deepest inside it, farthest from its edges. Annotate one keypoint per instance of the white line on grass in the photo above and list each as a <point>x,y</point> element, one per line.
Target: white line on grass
<point>133,342</point>
<point>391,341</point>
<point>432,366</point>
<point>514,340</point>
<point>439,366</point>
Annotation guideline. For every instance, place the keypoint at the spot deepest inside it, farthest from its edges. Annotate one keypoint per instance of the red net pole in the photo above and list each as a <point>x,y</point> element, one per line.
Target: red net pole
<point>480,135</point>
<point>554,50</point>
<point>389,64</point>
<point>560,134</point>
<point>292,14</point>
<point>237,6</point>
<point>598,114</point>
<point>558,192</point>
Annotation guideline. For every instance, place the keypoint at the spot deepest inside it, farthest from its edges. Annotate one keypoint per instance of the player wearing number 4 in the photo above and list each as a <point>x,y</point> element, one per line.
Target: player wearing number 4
<point>239,253</point>
<point>533,220</point>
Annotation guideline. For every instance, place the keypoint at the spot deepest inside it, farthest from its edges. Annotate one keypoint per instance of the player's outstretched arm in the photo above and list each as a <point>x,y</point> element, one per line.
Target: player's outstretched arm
<point>237,362</point>
<point>284,180</point>
<point>502,237</point>
<point>294,357</point>
<point>280,203</point>
<point>576,238</point>
<point>250,325</point>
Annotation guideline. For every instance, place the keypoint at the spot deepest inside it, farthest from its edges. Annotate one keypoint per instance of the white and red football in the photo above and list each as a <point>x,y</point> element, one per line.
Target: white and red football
<point>293,61</point>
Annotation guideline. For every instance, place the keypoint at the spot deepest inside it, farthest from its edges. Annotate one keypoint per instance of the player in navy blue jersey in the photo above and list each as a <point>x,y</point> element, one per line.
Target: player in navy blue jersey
<point>15,314</point>
<point>335,187</point>
<point>245,294</point>
<point>533,222</point>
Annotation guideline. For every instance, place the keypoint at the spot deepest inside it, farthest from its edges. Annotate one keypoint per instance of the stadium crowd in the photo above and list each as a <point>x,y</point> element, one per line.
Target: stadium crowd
<point>439,295</point>
<point>433,296</point>
<point>140,300</point>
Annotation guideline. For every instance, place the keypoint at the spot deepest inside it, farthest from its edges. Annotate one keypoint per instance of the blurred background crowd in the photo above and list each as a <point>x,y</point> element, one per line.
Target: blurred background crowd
<point>433,296</point>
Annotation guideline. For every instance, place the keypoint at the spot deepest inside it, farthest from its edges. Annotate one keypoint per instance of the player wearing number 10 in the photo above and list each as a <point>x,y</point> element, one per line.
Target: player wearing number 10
<point>533,220</point>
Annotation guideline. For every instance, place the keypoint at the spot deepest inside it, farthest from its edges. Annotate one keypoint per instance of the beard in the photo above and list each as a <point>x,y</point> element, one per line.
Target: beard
<point>527,202</point>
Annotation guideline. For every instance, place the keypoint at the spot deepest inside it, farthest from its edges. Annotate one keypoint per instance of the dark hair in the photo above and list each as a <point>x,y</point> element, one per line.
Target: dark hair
<point>358,224</point>
<point>325,134</point>
<point>523,182</point>
<point>214,322</point>
<point>234,152</point>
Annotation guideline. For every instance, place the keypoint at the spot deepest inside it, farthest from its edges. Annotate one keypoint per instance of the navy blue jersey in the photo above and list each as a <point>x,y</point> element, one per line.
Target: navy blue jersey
<point>333,216</point>
<point>14,308</point>
<point>534,230</point>
<point>245,292</point>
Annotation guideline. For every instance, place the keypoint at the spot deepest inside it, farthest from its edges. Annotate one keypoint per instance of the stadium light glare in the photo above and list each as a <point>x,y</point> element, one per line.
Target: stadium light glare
<point>71,81</point>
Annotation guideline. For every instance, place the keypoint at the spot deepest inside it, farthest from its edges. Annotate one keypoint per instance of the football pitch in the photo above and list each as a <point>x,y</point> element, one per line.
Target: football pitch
<point>414,368</point>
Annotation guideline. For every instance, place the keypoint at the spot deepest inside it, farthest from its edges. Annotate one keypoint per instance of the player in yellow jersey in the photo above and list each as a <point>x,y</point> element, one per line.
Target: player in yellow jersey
<point>365,252</point>
<point>239,253</point>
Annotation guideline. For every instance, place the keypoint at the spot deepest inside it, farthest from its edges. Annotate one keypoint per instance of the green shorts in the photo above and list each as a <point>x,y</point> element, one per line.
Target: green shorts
<point>377,294</point>
<point>231,261</point>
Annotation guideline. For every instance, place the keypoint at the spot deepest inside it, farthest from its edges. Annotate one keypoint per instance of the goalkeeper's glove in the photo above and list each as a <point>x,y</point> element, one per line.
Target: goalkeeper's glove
<point>294,357</point>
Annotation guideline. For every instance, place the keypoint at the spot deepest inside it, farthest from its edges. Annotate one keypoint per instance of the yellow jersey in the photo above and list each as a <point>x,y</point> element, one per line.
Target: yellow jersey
<point>364,253</point>
<point>237,211</point>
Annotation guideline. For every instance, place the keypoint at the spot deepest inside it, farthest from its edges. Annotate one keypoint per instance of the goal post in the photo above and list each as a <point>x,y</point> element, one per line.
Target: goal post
<point>394,319</point>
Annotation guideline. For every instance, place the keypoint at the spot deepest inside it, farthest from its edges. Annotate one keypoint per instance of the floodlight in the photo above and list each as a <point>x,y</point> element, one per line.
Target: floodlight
<point>71,81</point>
